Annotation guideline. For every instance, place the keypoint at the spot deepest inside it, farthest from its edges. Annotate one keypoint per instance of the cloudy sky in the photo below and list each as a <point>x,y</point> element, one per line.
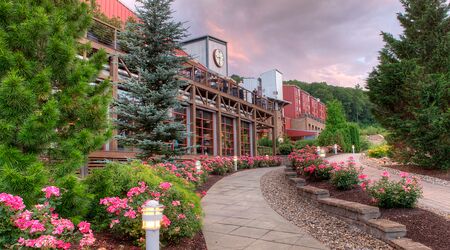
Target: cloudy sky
<point>335,41</point>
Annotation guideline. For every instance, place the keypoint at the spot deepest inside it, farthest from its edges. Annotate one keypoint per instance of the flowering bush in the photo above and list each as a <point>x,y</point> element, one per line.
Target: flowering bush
<point>345,177</point>
<point>115,186</point>
<point>219,165</point>
<point>186,170</point>
<point>180,219</point>
<point>305,157</point>
<point>380,151</point>
<point>387,193</point>
<point>40,227</point>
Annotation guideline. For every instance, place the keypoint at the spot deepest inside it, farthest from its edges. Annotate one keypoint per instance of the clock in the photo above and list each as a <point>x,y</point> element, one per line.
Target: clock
<point>219,58</point>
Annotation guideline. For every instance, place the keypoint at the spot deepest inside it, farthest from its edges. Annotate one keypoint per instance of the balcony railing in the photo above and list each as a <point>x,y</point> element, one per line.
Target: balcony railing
<point>104,34</point>
<point>226,86</point>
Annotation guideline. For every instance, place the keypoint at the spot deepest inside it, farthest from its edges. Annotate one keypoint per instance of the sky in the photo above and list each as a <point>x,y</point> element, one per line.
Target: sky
<point>333,41</point>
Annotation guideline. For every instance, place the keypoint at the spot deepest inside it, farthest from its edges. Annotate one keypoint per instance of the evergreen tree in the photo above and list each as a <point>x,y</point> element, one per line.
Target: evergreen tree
<point>144,110</point>
<point>338,130</point>
<point>410,86</point>
<point>51,115</point>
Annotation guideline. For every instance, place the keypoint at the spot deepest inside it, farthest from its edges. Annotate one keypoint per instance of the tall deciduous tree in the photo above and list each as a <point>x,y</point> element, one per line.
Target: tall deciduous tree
<point>144,108</point>
<point>410,86</point>
<point>51,113</point>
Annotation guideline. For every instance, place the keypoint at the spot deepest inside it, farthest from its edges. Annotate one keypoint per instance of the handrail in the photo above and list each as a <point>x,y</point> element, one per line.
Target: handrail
<point>103,33</point>
<point>227,86</point>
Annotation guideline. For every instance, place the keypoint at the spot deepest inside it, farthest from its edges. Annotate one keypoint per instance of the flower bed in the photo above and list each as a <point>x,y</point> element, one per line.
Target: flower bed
<point>40,226</point>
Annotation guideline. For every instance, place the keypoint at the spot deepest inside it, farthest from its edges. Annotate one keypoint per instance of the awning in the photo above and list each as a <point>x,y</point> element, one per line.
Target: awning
<point>300,133</point>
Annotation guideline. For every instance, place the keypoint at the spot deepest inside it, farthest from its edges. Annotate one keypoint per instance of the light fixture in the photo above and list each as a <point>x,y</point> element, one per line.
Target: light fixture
<point>335,149</point>
<point>198,166</point>
<point>152,213</point>
<point>235,159</point>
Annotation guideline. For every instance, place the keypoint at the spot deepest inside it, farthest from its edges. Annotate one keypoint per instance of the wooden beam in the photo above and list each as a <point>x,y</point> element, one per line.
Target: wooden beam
<point>274,135</point>
<point>114,74</point>
<point>193,123</point>
<point>254,134</point>
<point>238,137</point>
<point>219,124</point>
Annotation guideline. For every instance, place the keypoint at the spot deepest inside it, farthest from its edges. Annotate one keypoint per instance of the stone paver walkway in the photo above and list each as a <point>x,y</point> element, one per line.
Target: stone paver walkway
<point>434,196</point>
<point>238,217</point>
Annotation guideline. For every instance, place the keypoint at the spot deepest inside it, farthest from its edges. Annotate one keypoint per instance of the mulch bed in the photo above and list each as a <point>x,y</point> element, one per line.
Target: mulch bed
<point>422,226</point>
<point>108,241</point>
<point>441,174</point>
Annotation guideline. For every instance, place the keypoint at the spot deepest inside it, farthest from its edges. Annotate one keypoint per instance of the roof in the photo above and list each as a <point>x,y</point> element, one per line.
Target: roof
<point>299,133</point>
<point>115,8</point>
<point>205,37</point>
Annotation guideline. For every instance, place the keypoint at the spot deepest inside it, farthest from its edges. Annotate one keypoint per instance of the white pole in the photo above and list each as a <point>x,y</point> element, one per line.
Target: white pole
<point>353,149</point>
<point>335,149</point>
<point>151,239</point>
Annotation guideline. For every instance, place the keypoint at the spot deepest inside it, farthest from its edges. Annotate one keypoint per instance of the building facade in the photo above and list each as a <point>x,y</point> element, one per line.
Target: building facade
<point>221,116</point>
<point>305,115</point>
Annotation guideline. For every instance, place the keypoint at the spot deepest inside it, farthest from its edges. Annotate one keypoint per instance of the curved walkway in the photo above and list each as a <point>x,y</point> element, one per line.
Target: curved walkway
<point>238,217</point>
<point>434,196</point>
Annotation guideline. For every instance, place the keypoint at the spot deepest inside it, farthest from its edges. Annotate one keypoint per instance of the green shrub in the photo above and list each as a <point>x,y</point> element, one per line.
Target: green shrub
<point>285,148</point>
<point>345,177</point>
<point>115,180</point>
<point>373,130</point>
<point>265,142</point>
<point>380,151</point>
<point>303,143</point>
<point>388,193</point>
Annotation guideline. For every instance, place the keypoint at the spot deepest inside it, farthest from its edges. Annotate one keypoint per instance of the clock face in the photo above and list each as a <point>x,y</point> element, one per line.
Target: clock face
<point>219,58</point>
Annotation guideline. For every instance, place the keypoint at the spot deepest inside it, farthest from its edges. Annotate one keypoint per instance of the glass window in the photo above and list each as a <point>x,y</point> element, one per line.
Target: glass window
<point>245,138</point>
<point>227,136</point>
<point>204,133</point>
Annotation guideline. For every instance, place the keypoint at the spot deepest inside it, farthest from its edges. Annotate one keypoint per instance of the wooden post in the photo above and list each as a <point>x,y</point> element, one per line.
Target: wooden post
<point>274,133</point>
<point>193,123</point>
<point>254,134</point>
<point>219,124</point>
<point>114,74</point>
<point>238,129</point>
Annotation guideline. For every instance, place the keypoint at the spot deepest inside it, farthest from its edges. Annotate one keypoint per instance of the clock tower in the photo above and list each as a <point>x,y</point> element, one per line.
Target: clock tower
<point>209,51</point>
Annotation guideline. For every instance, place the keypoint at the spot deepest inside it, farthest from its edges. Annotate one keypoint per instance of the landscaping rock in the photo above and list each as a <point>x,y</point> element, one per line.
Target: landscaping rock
<point>313,193</point>
<point>348,209</point>
<point>385,229</point>
<point>408,244</point>
<point>284,198</point>
<point>290,174</point>
<point>297,181</point>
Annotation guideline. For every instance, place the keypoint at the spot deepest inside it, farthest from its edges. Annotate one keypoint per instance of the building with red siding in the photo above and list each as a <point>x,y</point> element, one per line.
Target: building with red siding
<point>305,116</point>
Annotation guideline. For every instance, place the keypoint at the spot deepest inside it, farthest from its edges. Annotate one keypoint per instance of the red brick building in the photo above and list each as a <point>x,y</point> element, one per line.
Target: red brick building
<point>305,116</point>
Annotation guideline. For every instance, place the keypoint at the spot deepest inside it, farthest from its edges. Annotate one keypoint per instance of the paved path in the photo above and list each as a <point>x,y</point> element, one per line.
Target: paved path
<point>238,217</point>
<point>434,196</point>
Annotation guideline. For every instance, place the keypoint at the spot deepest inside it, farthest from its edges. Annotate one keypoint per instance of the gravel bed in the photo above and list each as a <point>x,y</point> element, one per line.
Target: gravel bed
<point>430,179</point>
<point>333,232</point>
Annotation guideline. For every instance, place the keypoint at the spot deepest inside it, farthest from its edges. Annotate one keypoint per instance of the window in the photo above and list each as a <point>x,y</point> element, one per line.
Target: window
<point>180,116</point>
<point>204,133</point>
<point>245,138</point>
<point>227,136</point>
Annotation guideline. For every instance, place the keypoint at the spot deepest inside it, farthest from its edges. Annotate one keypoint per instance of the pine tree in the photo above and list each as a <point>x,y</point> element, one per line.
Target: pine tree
<point>410,86</point>
<point>338,130</point>
<point>144,110</point>
<point>51,113</point>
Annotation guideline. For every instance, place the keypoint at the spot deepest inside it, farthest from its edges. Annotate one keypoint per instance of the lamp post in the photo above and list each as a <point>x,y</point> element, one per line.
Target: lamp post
<point>322,153</point>
<point>198,166</point>
<point>318,150</point>
<point>335,149</point>
<point>235,159</point>
<point>152,213</point>
<point>353,149</point>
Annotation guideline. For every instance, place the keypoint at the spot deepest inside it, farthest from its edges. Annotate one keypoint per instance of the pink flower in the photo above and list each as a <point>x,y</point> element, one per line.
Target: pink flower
<point>181,216</point>
<point>87,240</point>
<point>165,222</point>
<point>84,227</point>
<point>165,185</point>
<point>362,176</point>
<point>176,203</point>
<point>113,222</point>
<point>404,174</point>
<point>130,213</point>
<point>363,185</point>
<point>60,225</point>
<point>381,190</point>
<point>51,191</point>
<point>14,203</point>
<point>385,174</point>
